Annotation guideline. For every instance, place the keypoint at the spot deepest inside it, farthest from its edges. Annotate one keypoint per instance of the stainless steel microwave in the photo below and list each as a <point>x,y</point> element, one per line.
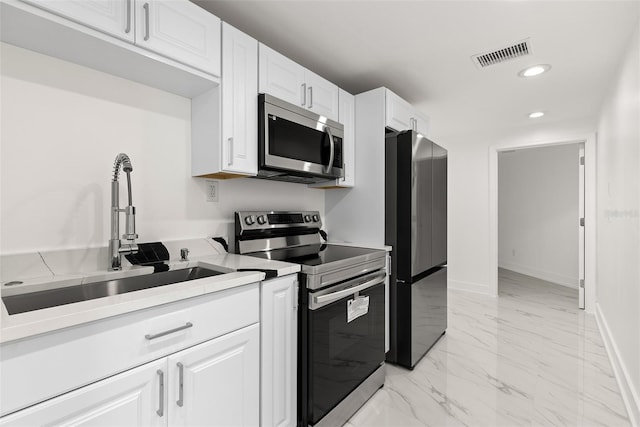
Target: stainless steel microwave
<point>297,145</point>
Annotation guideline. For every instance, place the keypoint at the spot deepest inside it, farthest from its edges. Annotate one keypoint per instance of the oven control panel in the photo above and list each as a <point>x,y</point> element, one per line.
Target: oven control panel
<point>257,220</point>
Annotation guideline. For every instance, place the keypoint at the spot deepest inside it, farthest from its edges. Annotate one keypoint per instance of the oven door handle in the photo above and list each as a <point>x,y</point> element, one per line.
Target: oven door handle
<point>322,300</point>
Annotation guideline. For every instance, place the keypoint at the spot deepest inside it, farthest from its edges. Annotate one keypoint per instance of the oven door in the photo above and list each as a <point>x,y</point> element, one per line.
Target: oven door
<point>345,340</point>
<point>296,140</point>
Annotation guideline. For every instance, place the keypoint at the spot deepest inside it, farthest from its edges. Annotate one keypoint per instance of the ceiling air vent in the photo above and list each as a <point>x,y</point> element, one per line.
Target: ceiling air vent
<point>517,50</point>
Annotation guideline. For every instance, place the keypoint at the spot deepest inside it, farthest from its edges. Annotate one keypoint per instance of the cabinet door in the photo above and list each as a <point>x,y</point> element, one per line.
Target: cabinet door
<point>180,30</point>
<point>239,101</point>
<point>133,398</point>
<point>217,383</point>
<point>422,124</point>
<point>281,77</point>
<point>347,115</point>
<point>279,351</point>
<point>399,113</point>
<point>114,17</point>
<point>322,96</point>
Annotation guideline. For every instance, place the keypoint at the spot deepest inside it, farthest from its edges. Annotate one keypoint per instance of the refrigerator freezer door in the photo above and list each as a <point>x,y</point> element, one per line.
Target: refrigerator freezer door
<point>421,204</point>
<point>428,312</point>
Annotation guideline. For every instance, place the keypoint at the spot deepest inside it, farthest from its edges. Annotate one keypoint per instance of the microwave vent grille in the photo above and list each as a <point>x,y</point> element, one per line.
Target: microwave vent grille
<point>517,50</point>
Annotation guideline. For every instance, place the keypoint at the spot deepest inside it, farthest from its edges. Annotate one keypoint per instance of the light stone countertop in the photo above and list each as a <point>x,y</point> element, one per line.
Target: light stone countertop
<point>47,270</point>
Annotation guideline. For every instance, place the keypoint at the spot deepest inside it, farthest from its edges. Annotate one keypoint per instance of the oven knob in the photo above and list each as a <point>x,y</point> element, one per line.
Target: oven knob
<point>262,219</point>
<point>307,218</point>
<point>249,220</point>
<point>316,218</point>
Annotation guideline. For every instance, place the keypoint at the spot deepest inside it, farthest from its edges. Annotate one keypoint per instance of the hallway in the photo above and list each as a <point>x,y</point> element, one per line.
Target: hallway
<point>529,357</point>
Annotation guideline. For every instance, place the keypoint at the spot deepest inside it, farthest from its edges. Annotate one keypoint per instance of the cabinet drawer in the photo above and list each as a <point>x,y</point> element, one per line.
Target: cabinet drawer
<point>44,366</point>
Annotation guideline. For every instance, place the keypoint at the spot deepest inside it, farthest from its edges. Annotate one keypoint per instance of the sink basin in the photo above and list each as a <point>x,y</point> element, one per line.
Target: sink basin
<point>22,303</point>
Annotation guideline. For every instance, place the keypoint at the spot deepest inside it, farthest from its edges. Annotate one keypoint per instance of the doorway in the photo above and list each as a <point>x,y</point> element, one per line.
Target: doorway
<point>589,141</point>
<point>540,204</point>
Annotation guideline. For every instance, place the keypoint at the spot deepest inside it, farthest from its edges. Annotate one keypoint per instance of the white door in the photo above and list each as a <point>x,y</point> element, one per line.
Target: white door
<point>399,112</point>
<point>217,383</point>
<point>581,227</point>
<point>114,17</point>
<point>281,77</point>
<point>180,30</point>
<point>279,351</point>
<point>134,398</point>
<point>239,101</point>
<point>322,96</point>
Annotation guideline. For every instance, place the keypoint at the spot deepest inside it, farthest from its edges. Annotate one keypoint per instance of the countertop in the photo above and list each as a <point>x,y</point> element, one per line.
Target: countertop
<point>35,277</point>
<point>47,270</point>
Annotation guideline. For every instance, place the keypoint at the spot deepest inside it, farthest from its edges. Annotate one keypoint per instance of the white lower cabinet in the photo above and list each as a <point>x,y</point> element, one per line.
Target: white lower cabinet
<point>279,319</point>
<point>130,398</point>
<point>215,383</point>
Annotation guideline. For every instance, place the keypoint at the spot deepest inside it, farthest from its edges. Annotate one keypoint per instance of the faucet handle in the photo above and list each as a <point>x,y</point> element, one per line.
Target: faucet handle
<point>184,254</point>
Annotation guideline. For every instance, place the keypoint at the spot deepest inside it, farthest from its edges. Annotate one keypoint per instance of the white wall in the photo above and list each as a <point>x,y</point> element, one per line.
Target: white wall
<point>538,212</point>
<point>619,224</point>
<point>61,128</point>
<point>470,251</point>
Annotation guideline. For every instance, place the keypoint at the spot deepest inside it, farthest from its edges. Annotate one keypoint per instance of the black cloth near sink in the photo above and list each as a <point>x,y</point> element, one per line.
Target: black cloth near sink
<point>153,254</point>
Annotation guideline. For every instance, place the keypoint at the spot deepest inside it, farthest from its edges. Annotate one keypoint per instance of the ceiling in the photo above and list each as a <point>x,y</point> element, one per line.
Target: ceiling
<point>422,51</point>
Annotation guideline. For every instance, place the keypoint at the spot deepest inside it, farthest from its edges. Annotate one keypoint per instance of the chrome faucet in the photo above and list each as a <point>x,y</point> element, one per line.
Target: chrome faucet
<point>116,247</point>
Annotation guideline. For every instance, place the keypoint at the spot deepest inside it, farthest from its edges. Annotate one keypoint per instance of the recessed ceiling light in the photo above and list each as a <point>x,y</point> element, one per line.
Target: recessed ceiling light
<point>536,114</point>
<point>535,70</point>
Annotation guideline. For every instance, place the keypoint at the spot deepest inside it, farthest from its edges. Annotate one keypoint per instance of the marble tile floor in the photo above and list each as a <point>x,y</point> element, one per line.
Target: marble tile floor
<point>527,358</point>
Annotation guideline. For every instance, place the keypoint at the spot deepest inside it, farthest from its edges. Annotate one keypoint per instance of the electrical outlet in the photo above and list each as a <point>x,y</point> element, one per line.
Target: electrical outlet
<point>212,190</point>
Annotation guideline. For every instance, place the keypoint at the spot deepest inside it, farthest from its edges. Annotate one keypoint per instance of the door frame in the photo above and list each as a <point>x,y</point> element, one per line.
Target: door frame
<point>590,210</point>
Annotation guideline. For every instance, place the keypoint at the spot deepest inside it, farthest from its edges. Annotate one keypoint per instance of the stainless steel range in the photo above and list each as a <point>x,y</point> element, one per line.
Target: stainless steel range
<point>341,325</point>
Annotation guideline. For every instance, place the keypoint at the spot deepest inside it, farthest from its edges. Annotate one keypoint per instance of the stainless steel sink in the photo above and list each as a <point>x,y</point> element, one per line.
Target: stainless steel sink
<point>22,303</point>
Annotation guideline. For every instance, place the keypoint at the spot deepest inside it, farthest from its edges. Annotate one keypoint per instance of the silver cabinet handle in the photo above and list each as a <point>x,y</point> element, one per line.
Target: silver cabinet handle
<point>170,331</point>
<point>128,27</point>
<point>180,401</point>
<point>310,97</point>
<point>146,21</point>
<point>335,296</point>
<point>303,97</point>
<point>160,410</point>
<point>332,148</point>
<point>230,161</point>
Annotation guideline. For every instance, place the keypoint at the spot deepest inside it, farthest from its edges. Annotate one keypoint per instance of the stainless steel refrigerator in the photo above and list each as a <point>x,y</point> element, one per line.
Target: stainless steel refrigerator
<point>416,228</point>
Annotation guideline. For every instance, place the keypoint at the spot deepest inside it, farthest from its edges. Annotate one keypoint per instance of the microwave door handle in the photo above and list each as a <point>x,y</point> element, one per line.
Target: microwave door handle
<point>331,147</point>
<point>323,300</point>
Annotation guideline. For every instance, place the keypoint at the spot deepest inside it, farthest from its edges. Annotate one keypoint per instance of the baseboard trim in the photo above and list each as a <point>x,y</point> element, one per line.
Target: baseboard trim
<point>558,279</point>
<point>630,396</point>
<point>477,288</point>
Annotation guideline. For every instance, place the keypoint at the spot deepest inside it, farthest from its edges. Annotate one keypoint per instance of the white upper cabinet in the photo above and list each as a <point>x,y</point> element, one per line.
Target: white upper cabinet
<point>422,124</point>
<point>113,17</point>
<point>348,119</point>
<point>281,77</point>
<point>239,102</point>
<point>400,115</point>
<point>224,120</point>
<point>399,112</point>
<point>322,96</point>
<point>347,116</point>
<point>172,45</point>
<point>179,30</point>
<point>285,79</point>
